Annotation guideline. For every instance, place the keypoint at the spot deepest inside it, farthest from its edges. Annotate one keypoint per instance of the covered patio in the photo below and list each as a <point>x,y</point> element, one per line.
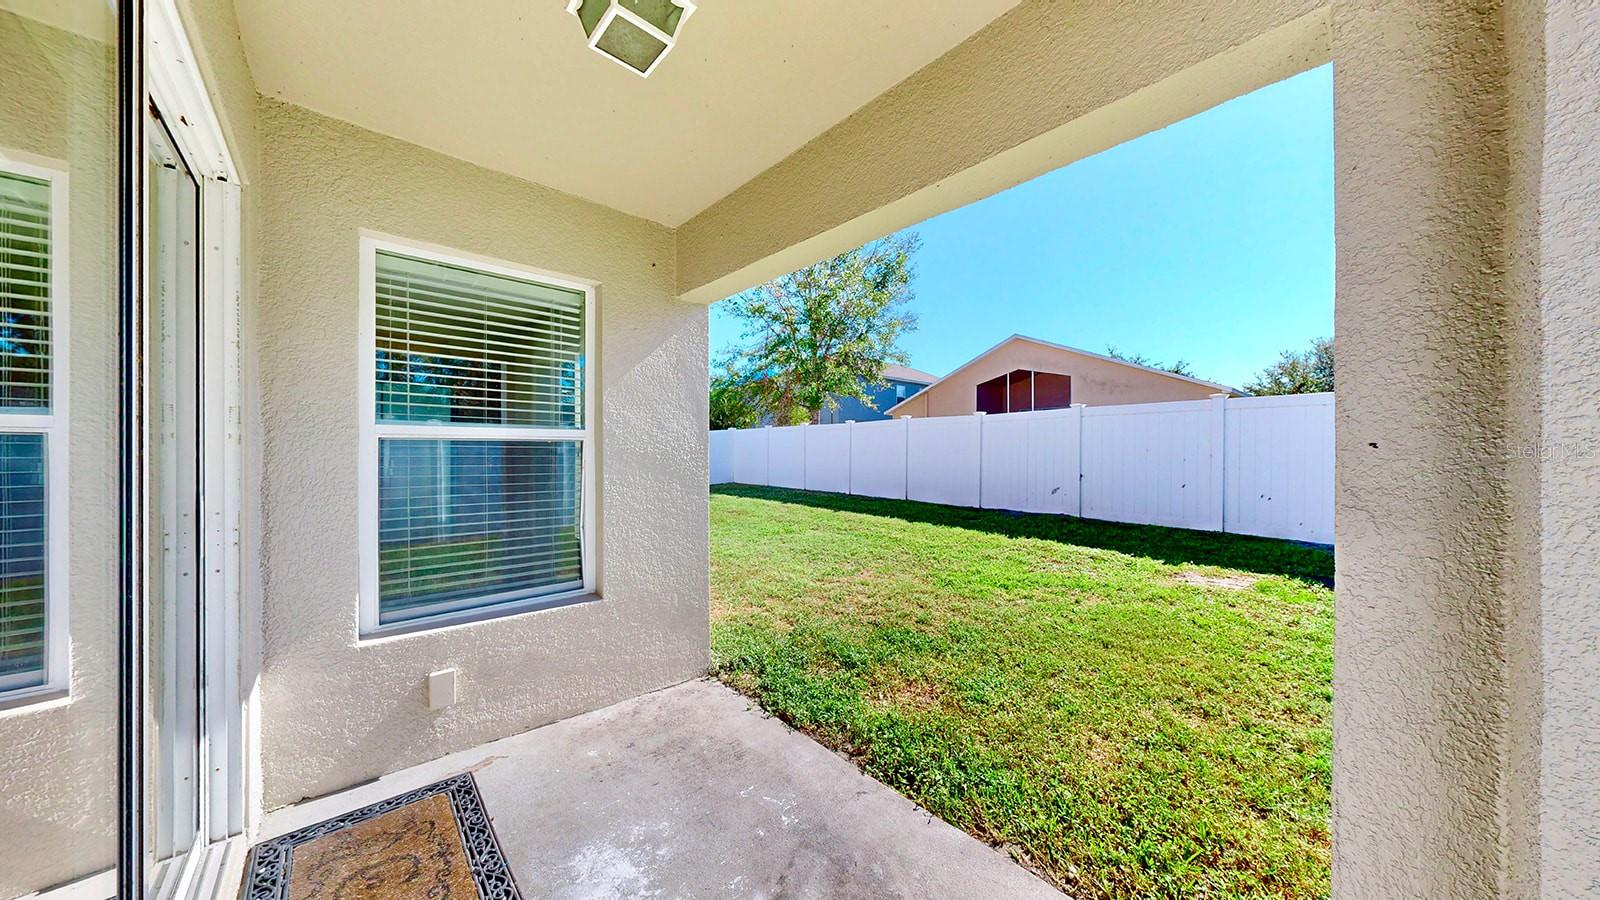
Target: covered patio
<point>387,431</point>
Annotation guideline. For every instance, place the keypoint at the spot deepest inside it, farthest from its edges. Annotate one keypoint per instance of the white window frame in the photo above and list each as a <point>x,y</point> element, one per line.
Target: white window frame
<point>51,423</point>
<point>371,431</point>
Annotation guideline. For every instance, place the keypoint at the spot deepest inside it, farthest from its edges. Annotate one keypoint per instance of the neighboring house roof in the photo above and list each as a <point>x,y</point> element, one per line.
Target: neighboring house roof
<point>1220,388</point>
<point>906,373</point>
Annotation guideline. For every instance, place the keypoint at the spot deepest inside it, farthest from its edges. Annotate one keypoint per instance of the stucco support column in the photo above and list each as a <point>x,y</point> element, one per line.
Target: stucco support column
<point>1551,804</point>
<point>1419,674</point>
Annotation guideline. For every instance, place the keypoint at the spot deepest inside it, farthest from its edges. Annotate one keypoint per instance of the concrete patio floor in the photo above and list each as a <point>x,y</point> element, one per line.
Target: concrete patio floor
<point>693,792</point>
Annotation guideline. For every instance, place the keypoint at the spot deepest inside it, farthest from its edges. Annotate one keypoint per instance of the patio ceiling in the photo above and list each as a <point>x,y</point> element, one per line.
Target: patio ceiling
<point>510,84</point>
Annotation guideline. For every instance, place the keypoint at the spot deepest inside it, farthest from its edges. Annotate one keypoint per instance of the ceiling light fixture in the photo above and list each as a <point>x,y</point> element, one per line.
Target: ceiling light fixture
<point>635,34</point>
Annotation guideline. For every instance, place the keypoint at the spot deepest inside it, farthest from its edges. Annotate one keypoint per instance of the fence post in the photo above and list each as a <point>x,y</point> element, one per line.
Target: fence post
<point>850,456</point>
<point>905,481</point>
<point>805,457</point>
<point>768,433</point>
<point>1219,464</point>
<point>1077,460</point>
<point>980,415</point>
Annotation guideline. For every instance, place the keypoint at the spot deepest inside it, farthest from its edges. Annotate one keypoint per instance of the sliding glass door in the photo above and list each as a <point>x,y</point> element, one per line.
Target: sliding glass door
<point>188,476</point>
<point>176,801</point>
<point>121,730</point>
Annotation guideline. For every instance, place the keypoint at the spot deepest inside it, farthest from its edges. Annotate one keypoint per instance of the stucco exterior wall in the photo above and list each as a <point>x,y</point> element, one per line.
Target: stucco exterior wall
<point>58,765</point>
<point>1553,847</point>
<point>1095,382</point>
<point>336,710</point>
<point>1519,802</point>
<point>1420,712</point>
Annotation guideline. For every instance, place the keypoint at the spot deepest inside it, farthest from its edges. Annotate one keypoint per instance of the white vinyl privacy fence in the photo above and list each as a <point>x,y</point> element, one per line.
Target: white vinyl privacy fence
<point>1251,465</point>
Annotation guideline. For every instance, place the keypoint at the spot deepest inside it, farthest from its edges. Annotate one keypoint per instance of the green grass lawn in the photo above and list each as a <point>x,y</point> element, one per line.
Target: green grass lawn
<point>1130,710</point>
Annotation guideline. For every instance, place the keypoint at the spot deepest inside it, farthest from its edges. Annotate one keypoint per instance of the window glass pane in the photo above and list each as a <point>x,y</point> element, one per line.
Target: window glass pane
<point>25,239</point>
<point>460,346</point>
<point>466,523</point>
<point>175,461</point>
<point>631,44</point>
<point>22,559</point>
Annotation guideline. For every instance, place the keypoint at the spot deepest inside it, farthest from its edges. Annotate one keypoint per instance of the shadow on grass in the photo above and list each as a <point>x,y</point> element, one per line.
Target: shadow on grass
<point>1174,546</point>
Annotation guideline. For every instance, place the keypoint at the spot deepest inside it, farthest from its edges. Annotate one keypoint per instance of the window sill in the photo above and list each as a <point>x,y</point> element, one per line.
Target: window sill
<point>33,698</point>
<point>442,621</point>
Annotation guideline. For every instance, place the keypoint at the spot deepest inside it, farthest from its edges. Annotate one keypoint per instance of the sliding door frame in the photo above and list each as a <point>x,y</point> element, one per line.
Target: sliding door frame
<point>157,69</point>
<point>130,116</point>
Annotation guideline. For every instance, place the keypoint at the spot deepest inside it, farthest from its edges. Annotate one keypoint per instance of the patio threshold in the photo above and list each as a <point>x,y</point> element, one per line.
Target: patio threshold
<point>691,791</point>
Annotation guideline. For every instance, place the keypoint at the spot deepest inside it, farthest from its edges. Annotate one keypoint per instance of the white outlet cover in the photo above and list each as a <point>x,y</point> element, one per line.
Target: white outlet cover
<point>441,688</point>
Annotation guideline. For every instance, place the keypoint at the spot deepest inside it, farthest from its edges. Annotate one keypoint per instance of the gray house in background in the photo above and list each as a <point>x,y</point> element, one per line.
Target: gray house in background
<point>902,382</point>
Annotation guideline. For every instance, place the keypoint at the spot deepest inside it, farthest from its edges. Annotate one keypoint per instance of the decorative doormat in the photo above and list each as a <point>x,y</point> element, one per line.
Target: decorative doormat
<point>433,843</point>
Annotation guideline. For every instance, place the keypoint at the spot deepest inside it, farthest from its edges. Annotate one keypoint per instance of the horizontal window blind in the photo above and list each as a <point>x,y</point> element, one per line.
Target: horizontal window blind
<point>25,245</point>
<point>455,345</point>
<point>22,560</point>
<point>465,521</point>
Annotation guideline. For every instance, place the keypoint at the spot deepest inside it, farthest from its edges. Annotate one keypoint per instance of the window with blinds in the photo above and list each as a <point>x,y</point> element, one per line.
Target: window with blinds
<point>480,430</point>
<point>27,245</point>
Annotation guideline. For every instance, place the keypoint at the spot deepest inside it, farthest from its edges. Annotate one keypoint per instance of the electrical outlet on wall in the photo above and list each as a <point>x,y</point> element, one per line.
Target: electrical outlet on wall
<point>441,688</point>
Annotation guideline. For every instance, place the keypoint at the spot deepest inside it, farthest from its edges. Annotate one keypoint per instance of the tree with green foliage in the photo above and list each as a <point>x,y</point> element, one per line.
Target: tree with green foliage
<point>1180,367</point>
<point>733,403</point>
<point>1306,372</point>
<point>827,330</point>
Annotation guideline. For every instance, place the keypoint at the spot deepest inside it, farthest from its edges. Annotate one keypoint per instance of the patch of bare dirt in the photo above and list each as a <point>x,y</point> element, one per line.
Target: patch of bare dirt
<point>1226,582</point>
<point>916,694</point>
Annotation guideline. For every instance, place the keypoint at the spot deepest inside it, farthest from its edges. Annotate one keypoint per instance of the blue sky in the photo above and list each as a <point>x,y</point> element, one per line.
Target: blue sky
<point>1210,240</point>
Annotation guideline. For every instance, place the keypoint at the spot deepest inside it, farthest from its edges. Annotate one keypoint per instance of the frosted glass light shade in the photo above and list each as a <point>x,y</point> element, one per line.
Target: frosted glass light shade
<point>635,34</point>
